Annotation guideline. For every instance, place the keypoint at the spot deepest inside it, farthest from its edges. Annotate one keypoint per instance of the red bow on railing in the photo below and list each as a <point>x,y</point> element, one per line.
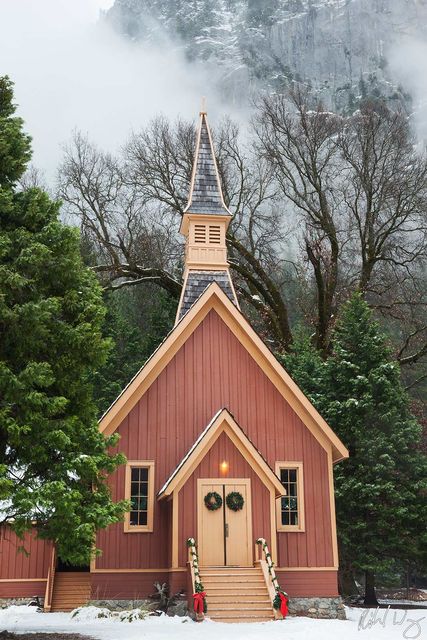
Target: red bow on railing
<point>283,604</point>
<point>198,599</point>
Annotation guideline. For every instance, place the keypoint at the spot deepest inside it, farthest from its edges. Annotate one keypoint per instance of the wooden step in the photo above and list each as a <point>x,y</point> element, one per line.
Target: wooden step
<point>240,618</point>
<point>218,598</point>
<point>240,608</point>
<point>230,589</point>
<point>244,604</point>
<point>230,571</point>
<point>70,590</point>
<point>236,594</point>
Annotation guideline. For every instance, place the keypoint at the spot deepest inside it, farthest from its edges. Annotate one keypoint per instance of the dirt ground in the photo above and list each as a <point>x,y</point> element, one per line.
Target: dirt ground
<point>5,635</point>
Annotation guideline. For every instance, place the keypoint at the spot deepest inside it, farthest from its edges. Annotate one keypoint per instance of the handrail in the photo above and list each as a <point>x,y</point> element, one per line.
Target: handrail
<point>47,604</point>
<point>270,577</point>
<point>193,560</point>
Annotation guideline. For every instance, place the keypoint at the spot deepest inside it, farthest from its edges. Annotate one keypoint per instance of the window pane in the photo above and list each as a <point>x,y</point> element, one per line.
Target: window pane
<point>133,517</point>
<point>292,475</point>
<point>143,489</point>
<point>135,474</point>
<point>142,517</point>
<point>285,517</point>
<point>294,517</point>
<point>134,487</point>
<point>143,474</point>
<point>284,475</point>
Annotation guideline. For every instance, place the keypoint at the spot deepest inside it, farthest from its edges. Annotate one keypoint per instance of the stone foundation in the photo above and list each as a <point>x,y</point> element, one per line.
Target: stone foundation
<point>311,607</point>
<point>317,607</point>
<point>8,602</point>
<point>179,608</point>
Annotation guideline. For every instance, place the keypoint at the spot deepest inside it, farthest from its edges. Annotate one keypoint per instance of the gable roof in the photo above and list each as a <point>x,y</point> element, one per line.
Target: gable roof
<point>222,422</point>
<point>205,190</point>
<point>214,298</point>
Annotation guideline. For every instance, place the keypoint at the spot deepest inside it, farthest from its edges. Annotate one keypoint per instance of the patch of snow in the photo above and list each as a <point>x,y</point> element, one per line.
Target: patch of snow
<point>94,614</point>
<point>362,624</point>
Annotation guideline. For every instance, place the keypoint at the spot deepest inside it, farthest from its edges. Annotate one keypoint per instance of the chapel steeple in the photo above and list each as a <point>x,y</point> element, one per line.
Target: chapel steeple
<point>204,223</point>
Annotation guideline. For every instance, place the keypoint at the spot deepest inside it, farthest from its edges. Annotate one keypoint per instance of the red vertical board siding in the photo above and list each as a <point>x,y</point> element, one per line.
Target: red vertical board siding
<point>28,565</point>
<point>309,583</point>
<point>23,589</point>
<point>210,371</point>
<point>125,586</point>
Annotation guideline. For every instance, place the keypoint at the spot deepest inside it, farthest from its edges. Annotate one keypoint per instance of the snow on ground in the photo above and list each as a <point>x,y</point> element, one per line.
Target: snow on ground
<point>363,624</point>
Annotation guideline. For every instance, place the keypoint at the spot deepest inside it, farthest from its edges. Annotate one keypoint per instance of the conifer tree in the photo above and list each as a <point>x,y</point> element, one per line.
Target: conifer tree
<point>136,327</point>
<point>53,460</point>
<point>380,489</point>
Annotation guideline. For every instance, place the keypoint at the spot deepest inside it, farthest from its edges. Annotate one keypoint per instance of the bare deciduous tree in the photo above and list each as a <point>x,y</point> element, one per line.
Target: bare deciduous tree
<point>345,197</point>
<point>359,187</point>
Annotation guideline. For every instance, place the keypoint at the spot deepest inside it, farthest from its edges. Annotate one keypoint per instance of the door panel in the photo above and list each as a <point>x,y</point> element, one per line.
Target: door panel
<point>225,536</point>
<point>211,535</point>
<point>237,542</point>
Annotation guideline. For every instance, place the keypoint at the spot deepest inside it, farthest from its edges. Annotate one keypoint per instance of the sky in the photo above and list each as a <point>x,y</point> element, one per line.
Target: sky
<point>72,74</point>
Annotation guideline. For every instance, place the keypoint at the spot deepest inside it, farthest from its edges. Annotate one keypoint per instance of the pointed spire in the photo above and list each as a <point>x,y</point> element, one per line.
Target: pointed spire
<point>204,224</point>
<point>205,191</point>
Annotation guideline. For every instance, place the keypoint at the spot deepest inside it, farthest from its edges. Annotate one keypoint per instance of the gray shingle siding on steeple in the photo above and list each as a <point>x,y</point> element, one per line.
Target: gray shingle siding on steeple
<point>206,197</point>
<point>198,281</point>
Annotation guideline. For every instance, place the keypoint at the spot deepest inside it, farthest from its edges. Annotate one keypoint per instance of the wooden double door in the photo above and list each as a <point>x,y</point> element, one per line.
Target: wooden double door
<point>224,535</point>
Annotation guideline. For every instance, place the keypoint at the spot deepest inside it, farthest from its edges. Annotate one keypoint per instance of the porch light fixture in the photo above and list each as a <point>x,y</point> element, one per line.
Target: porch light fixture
<point>224,467</point>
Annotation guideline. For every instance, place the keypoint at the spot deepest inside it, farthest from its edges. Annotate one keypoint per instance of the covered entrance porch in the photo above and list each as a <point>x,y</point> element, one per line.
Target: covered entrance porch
<point>222,461</point>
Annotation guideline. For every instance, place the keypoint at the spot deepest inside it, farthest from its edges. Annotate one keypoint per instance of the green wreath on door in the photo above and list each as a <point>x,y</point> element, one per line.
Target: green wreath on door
<point>234,501</point>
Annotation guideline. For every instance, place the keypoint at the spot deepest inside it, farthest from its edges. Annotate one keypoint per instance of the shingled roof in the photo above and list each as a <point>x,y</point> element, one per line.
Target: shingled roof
<point>205,192</point>
<point>197,282</point>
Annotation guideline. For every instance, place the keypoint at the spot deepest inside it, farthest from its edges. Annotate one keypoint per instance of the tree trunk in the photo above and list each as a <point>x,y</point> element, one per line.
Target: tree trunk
<point>347,584</point>
<point>370,595</point>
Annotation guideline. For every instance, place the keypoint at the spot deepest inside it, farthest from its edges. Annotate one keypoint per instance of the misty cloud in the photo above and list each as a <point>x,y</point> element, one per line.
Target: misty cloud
<point>72,73</point>
<point>408,62</point>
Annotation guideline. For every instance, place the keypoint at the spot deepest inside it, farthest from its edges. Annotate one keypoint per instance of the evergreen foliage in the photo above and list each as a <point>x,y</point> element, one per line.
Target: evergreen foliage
<point>381,488</point>
<point>136,323</point>
<point>53,460</point>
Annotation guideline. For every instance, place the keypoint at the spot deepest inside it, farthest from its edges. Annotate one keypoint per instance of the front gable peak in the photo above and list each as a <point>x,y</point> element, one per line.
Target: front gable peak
<point>214,299</point>
<point>222,422</point>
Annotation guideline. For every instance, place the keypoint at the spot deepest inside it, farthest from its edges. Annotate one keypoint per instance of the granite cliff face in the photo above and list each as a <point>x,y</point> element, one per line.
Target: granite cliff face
<point>339,47</point>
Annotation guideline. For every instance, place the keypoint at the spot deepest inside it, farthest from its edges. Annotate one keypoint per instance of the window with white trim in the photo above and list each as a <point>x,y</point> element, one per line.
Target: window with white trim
<point>139,490</point>
<point>290,508</point>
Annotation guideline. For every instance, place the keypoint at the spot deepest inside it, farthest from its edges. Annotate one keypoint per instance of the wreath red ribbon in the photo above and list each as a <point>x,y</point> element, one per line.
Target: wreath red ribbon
<point>283,604</point>
<point>198,601</point>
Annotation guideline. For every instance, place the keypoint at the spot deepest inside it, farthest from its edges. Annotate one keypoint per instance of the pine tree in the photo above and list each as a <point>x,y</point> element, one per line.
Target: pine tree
<point>53,460</point>
<point>380,489</point>
<point>136,323</point>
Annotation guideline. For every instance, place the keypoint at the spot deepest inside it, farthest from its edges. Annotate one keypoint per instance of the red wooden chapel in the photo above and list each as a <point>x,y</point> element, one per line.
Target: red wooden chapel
<point>223,449</point>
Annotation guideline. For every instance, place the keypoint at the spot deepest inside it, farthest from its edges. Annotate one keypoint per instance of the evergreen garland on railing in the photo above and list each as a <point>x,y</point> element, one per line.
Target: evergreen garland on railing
<point>198,586</point>
<point>278,600</point>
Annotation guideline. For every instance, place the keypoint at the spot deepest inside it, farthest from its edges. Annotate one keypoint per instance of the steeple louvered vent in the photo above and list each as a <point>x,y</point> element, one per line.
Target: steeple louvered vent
<point>214,234</point>
<point>200,234</point>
